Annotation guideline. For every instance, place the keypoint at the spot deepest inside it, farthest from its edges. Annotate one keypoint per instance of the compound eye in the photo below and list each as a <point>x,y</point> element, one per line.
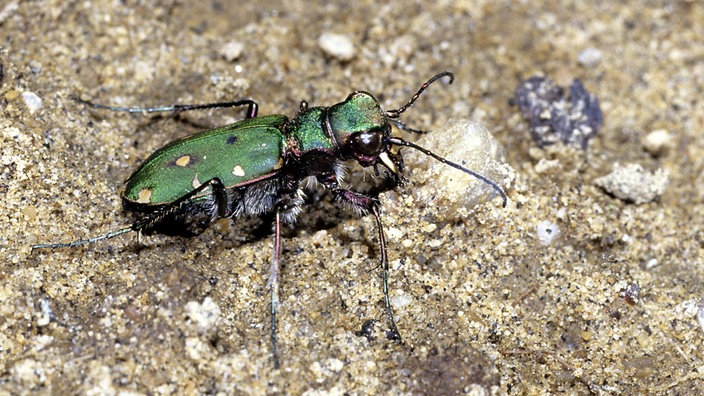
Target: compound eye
<point>367,143</point>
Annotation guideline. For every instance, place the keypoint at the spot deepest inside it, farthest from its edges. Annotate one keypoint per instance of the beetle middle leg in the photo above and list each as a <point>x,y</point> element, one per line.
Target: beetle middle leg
<point>288,206</point>
<point>274,284</point>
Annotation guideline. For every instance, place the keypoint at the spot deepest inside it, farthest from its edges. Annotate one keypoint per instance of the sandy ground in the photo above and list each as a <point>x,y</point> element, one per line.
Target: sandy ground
<point>485,303</point>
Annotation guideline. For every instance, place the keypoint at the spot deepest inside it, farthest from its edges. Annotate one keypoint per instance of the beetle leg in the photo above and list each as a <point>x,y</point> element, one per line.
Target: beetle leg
<point>394,334</point>
<point>251,107</point>
<point>219,199</point>
<point>364,204</point>
<point>360,203</point>
<point>274,285</point>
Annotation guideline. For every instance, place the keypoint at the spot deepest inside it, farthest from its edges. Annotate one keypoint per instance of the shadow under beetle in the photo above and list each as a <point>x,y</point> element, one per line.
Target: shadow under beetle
<point>263,165</point>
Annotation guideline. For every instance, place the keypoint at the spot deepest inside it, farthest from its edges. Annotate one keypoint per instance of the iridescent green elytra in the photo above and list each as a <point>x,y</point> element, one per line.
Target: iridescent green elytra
<point>264,165</point>
<point>237,154</point>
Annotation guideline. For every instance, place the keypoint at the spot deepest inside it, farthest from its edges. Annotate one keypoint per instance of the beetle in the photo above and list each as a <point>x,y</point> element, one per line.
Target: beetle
<point>264,165</point>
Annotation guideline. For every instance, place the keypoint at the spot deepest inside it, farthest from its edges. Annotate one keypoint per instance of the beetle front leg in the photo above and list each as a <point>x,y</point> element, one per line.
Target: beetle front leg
<point>394,334</point>
<point>365,204</point>
<point>360,203</point>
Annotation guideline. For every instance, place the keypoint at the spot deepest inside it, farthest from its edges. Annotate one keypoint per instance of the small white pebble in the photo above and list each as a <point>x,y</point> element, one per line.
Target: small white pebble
<point>394,234</point>
<point>32,101</point>
<point>590,57</point>
<point>46,313</point>
<point>319,237</point>
<point>337,46</point>
<point>232,50</point>
<point>547,231</point>
<point>335,365</point>
<point>434,243</point>
<point>401,300</point>
<point>657,142</point>
<point>196,349</point>
<point>205,315</point>
<point>700,314</point>
<point>652,263</point>
<point>545,165</point>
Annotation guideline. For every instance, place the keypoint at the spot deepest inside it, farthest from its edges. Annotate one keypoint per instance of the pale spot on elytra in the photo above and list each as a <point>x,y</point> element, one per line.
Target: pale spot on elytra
<point>196,183</point>
<point>238,171</point>
<point>144,195</point>
<point>184,160</point>
<point>279,164</point>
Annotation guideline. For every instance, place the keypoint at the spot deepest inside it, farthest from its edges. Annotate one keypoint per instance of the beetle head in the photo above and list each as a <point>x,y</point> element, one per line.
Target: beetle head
<point>360,128</point>
<point>362,131</point>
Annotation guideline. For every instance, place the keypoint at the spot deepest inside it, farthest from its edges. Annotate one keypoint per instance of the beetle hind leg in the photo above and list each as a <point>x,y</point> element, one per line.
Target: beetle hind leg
<point>252,107</point>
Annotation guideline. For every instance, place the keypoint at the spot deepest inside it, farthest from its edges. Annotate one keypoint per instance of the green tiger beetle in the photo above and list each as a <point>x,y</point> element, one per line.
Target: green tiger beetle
<point>264,165</point>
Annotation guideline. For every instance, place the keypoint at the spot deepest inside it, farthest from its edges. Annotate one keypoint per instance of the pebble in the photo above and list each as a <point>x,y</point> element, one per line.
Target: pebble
<point>337,46</point>
<point>474,148</point>
<point>547,231</point>
<point>555,117</point>
<point>657,142</point>
<point>33,102</point>
<point>205,316</point>
<point>634,184</point>
<point>401,300</point>
<point>232,50</point>
<point>590,57</point>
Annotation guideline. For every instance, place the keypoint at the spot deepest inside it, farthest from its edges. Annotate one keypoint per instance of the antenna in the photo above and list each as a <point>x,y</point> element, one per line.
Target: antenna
<point>400,142</point>
<point>397,113</point>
